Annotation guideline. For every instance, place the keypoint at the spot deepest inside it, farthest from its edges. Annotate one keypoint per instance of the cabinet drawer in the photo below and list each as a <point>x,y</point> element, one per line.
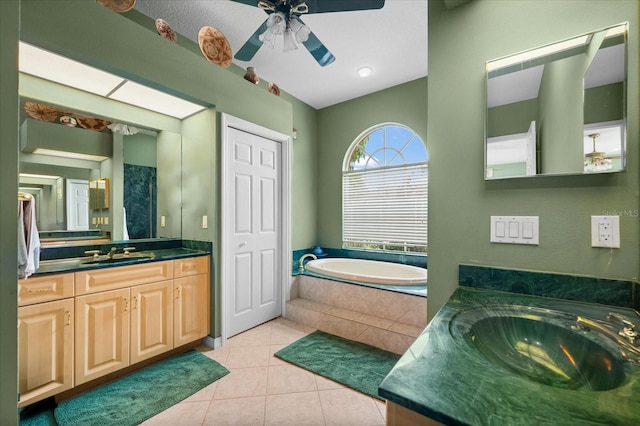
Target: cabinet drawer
<point>44,288</point>
<point>190,266</point>
<point>121,276</point>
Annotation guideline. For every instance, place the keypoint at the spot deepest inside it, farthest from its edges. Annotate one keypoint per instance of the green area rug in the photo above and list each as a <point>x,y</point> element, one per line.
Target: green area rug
<point>137,396</point>
<point>356,365</point>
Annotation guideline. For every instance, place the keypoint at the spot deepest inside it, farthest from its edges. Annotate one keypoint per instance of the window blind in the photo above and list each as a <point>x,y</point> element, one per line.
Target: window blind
<point>386,206</point>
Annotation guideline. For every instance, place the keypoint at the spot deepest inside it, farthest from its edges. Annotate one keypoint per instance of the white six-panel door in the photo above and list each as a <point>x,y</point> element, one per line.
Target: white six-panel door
<point>253,246</point>
<point>77,205</point>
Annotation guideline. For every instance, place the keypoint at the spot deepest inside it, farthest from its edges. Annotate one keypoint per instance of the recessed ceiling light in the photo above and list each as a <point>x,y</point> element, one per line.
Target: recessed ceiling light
<point>364,71</point>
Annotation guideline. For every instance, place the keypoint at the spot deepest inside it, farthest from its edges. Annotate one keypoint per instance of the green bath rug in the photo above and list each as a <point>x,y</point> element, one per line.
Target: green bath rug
<point>353,364</point>
<point>142,394</point>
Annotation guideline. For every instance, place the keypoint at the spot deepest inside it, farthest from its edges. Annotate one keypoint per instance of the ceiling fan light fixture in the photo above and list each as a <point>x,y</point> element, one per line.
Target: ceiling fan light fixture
<point>364,72</point>
<point>276,25</point>
<point>300,30</point>
<point>289,40</point>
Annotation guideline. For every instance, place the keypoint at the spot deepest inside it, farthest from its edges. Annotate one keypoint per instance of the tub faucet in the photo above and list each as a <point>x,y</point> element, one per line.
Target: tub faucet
<point>301,261</point>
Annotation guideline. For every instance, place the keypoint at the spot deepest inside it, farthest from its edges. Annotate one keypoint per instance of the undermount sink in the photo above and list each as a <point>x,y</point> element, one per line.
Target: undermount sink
<point>118,258</point>
<point>546,353</point>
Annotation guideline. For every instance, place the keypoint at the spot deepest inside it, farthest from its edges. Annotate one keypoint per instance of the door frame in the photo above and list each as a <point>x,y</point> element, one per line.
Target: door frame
<point>230,122</point>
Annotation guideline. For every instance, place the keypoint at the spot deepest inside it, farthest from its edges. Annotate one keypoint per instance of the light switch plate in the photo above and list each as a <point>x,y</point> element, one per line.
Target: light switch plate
<point>515,230</point>
<point>605,231</point>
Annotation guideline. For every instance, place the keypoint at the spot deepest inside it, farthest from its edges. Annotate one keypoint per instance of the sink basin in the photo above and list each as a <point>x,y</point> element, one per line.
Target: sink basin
<point>118,258</point>
<point>546,353</point>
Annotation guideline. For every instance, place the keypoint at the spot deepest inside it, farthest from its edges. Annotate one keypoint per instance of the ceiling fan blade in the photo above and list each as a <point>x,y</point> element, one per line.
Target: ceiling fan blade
<point>247,2</point>
<point>251,46</point>
<point>324,6</point>
<point>318,50</point>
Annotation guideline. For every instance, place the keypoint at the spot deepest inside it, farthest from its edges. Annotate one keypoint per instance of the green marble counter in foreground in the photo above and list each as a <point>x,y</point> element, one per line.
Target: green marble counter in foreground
<point>444,377</point>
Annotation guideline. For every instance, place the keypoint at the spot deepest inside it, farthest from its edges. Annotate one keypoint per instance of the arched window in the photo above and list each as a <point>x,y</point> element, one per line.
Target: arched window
<point>384,191</point>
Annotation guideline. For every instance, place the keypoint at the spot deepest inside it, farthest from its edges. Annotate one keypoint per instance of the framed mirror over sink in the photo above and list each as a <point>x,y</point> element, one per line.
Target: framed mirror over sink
<point>558,109</point>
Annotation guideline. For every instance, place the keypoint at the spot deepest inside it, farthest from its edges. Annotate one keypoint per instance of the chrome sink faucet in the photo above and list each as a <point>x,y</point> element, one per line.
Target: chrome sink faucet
<point>111,252</point>
<point>628,330</point>
<point>306,256</point>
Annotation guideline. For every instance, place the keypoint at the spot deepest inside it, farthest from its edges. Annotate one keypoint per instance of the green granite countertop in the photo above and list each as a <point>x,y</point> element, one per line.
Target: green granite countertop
<point>85,263</point>
<point>443,376</point>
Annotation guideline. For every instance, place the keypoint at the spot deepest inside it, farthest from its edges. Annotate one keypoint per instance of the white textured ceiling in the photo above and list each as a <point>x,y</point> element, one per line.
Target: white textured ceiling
<point>391,40</point>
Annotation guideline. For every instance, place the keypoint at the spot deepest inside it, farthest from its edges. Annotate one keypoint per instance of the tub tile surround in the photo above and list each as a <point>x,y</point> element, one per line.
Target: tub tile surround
<point>387,320</point>
<point>560,286</point>
<point>445,378</point>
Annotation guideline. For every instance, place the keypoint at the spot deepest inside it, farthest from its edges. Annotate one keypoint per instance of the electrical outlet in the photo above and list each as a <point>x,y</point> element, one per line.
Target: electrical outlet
<point>205,223</point>
<point>605,231</point>
<point>163,221</point>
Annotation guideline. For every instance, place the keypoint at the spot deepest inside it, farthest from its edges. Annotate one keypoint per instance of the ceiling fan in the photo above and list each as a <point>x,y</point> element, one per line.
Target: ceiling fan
<point>284,19</point>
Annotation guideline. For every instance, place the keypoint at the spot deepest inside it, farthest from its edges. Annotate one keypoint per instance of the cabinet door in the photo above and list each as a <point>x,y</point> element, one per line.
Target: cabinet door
<point>191,309</point>
<point>151,320</point>
<point>102,334</point>
<point>45,350</point>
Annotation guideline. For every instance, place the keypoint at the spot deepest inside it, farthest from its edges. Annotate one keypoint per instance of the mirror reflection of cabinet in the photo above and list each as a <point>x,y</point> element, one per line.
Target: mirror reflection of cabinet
<point>99,194</point>
<point>544,106</point>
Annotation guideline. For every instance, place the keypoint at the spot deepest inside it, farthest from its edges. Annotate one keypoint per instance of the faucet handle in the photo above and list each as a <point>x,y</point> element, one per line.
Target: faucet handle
<point>94,253</point>
<point>128,250</point>
<point>621,318</point>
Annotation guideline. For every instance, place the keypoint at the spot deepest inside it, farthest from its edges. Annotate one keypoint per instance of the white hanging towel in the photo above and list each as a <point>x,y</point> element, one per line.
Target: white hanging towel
<point>28,239</point>
<point>125,231</point>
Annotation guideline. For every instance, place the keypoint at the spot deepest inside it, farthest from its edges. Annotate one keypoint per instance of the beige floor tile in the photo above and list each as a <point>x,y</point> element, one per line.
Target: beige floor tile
<point>258,336</point>
<point>219,355</point>
<point>348,407</point>
<point>248,356</point>
<point>285,332</point>
<point>288,379</point>
<point>183,414</point>
<point>242,382</point>
<point>273,360</point>
<point>204,394</point>
<point>382,408</point>
<point>322,383</point>
<point>238,411</point>
<point>295,409</point>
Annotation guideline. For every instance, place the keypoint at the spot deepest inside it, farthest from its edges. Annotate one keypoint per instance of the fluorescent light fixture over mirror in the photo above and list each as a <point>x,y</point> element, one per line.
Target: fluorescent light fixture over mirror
<point>35,176</point>
<point>67,154</point>
<point>53,67</point>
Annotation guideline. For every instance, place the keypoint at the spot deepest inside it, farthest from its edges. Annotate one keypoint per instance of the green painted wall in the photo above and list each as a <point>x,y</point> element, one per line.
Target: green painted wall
<point>88,32</point>
<point>340,125</point>
<point>461,202</point>
<point>140,149</point>
<point>9,139</point>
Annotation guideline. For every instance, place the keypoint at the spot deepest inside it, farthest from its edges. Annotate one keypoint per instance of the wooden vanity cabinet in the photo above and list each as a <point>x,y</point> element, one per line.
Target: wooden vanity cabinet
<point>119,316</point>
<point>191,308</point>
<point>152,321</point>
<point>117,328</point>
<point>102,334</point>
<point>45,349</point>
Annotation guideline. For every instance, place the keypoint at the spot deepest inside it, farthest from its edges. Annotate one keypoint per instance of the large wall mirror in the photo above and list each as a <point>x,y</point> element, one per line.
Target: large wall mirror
<point>559,109</point>
<point>100,167</point>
